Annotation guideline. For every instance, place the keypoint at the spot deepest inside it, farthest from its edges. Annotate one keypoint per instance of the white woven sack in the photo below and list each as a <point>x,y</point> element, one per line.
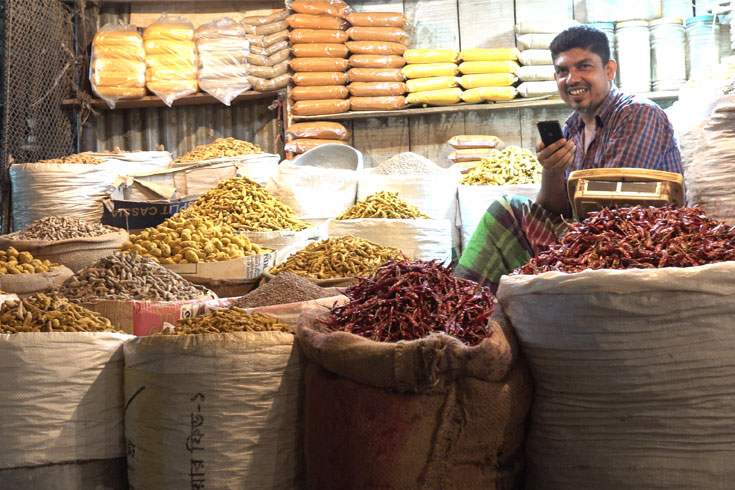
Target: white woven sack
<point>137,161</point>
<point>538,89</point>
<point>535,73</point>
<point>535,57</point>
<point>221,410</point>
<point>633,374</point>
<point>314,192</point>
<point>420,239</point>
<point>547,26</point>
<point>475,199</point>
<point>534,41</point>
<point>61,398</point>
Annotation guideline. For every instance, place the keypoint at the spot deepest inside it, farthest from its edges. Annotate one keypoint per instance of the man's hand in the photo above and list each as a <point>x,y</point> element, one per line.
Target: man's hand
<point>557,157</point>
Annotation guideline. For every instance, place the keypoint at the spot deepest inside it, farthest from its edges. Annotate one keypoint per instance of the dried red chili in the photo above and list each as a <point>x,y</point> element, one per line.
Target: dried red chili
<point>410,300</point>
<point>638,238</point>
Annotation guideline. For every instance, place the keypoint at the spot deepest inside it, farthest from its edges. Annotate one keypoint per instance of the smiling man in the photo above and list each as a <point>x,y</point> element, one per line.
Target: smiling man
<point>607,129</point>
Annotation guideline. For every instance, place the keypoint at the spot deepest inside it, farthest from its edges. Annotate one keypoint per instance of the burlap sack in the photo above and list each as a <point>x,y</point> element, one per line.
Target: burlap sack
<point>27,284</point>
<point>75,253</point>
<point>426,414</point>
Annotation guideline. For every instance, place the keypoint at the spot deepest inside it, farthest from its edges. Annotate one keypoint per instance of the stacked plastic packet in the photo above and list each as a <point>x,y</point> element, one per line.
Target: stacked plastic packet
<point>320,62</point>
<point>432,75</point>
<point>537,71</point>
<point>269,51</point>
<point>223,64</point>
<point>302,137</point>
<point>170,58</point>
<point>468,150</point>
<point>117,68</point>
<point>378,43</point>
<point>489,74</point>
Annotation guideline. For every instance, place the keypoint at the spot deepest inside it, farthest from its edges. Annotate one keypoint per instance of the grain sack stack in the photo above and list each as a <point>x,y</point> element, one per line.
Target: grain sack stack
<point>489,74</point>
<point>223,59</point>
<point>302,137</point>
<point>269,51</point>
<point>378,41</point>
<point>432,76</point>
<point>117,68</point>
<point>537,71</point>
<point>320,62</point>
<point>170,58</point>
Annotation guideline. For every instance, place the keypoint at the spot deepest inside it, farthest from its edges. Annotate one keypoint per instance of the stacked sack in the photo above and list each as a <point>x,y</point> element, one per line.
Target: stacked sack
<point>117,69</point>
<point>468,150</point>
<point>223,65</point>
<point>537,73</point>
<point>269,51</point>
<point>302,137</point>
<point>489,74</point>
<point>170,58</point>
<point>378,42</point>
<point>432,75</point>
<point>320,63</point>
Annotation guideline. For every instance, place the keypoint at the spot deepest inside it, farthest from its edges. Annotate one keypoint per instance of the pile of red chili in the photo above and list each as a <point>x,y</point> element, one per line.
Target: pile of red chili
<point>638,238</point>
<point>409,300</point>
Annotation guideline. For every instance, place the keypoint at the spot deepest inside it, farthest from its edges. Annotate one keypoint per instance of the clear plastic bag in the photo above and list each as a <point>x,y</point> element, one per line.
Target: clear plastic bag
<point>314,8</point>
<point>279,57</point>
<point>447,96</point>
<point>490,54</point>
<point>377,89</point>
<point>488,80</point>
<point>377,103</point>
<point>319,64</point>
<point>117,67</point>
<point>320,50</point>
<point>259,20</point>
<point>376,47</point>
<point>431,56</point>
<point>266,85</point>
<point>480,67</point>
<point>378,19</point>
<point>268,71</point>
<point>178,29</point>
<point>431,83</point>
<point>376,61</point>
<point>311,79</point>
<point>475,95</point>
<point>306,21</point>
<point>266,41</point>
<point>266,29</point>
<point>270,50</point>
<point>320,107</point>
<point>388,34</point>
<point>473,141</point>
<point>318,36</point>
<point>430,70</point>
<point>302,145</point>
<point>375,75</point>
<point>321,130</point>
<point>320,92</point>
<point>223,52</point>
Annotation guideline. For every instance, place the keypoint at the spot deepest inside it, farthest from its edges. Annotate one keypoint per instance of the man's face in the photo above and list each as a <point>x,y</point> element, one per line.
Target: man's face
<point>582,80</point>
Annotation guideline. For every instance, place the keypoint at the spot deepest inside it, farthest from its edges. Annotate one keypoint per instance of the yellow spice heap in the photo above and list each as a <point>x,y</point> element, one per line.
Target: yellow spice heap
<point>513,165</point>
<point>233,319</point>
<point>14,262</point>
<point>345,256</point>
<point>383,205</point>
<point>190,239</point>
<point>41,313</point>
<point>246,206</point>
<point>220,148</point>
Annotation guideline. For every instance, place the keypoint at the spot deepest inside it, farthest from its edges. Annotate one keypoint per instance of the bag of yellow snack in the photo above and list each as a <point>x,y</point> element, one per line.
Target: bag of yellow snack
<point>430,70</point>
<point>487,80</point>
<point>447,96</point>
<point>490,54</point>
<point>431,83</point>
<point>431,56</point>
<point>482,94</point>
<point>117,67</point>
<point>472,67</point>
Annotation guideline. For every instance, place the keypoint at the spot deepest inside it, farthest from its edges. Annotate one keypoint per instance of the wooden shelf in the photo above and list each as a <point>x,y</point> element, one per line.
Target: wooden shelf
<point>490,106</point>
<point>195,99</point>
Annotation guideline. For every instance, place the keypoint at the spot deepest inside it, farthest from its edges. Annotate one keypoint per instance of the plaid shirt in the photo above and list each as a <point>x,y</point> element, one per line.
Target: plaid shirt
<point>631,132</point>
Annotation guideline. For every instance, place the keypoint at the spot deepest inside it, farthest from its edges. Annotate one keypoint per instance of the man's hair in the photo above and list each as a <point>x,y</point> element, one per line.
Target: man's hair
<point>583,37</point>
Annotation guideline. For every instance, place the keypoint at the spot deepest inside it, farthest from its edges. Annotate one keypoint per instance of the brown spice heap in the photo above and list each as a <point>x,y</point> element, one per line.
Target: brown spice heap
<point>54,228</point>
<point>78,158</point>
<point>233,319</point>
<point>220,148</point>
<point>42,313</point>
<point>286,287</point>
<point>638,238</point>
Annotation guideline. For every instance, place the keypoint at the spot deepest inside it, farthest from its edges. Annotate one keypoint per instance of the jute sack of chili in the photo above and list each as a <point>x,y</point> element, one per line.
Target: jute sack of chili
<point>431,413</point>
<point>632,368</point>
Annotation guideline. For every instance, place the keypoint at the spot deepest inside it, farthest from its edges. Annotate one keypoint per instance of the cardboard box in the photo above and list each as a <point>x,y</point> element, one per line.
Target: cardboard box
<point>136,215</point>
<point>250,267</point>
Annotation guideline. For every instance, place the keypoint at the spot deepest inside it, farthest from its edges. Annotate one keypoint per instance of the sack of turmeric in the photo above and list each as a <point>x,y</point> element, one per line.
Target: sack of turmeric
<point>336,8</point>
<point>488,80</point>
<point>387,34</point>
<point>430,70</point>
<point>431,83</point>
<point>299,36</point>
<point>375,75</point>
<point>319,64</point>
<point>447,96</point>
<point>376,47</point>
<point>431,56</point>
<point>377,103</point>
<point>320,50</point>
<point>378,19</point>
<point>320,107</point>
<point>482,94</point>
<point>490,54</point>
<point>319,78</point>
<point>307,21</point>
<point>479,67</point>
<point>377,89</point>
<point>320,92</point>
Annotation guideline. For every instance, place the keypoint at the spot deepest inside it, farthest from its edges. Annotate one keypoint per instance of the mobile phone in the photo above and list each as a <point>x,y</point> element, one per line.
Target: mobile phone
<point>550,131</point>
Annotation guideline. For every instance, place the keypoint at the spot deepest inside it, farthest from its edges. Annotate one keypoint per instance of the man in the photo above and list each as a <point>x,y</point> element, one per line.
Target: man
<point>607,129</point>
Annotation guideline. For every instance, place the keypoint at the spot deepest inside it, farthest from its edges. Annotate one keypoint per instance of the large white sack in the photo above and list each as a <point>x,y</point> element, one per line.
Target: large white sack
<point>634,376</point>
<point>475,199</point>
<point>61,408</point>
<point>419,239</point>
<point>314,192</point>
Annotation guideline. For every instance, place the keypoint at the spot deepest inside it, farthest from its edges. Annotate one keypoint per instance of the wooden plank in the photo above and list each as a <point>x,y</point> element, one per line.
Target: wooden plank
<point>485,27</point>
<point>429,135</point>
<point>379,140</point>
<point>543,10</point>
<point>435,23</point>
<point>199,98</point>
<point>528,118</point>
<point>144,14</point>
<point>503,124</point>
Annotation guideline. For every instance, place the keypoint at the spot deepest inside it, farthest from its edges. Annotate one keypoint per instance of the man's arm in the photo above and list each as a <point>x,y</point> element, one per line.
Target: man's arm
<point>555,160</point>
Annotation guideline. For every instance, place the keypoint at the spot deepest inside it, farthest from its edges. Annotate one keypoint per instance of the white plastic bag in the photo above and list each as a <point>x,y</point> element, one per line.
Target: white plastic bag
<point>171,60</point>
<point>535,73</point>
<point>633,375</point>
<point>223,49</point>
<point>544,26</point>
<point>117,65</point>
<point>535,57</point>
<point>534,41</point>
<point>538,89</point>
<point>418,239</point>
<point>475,199</point>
